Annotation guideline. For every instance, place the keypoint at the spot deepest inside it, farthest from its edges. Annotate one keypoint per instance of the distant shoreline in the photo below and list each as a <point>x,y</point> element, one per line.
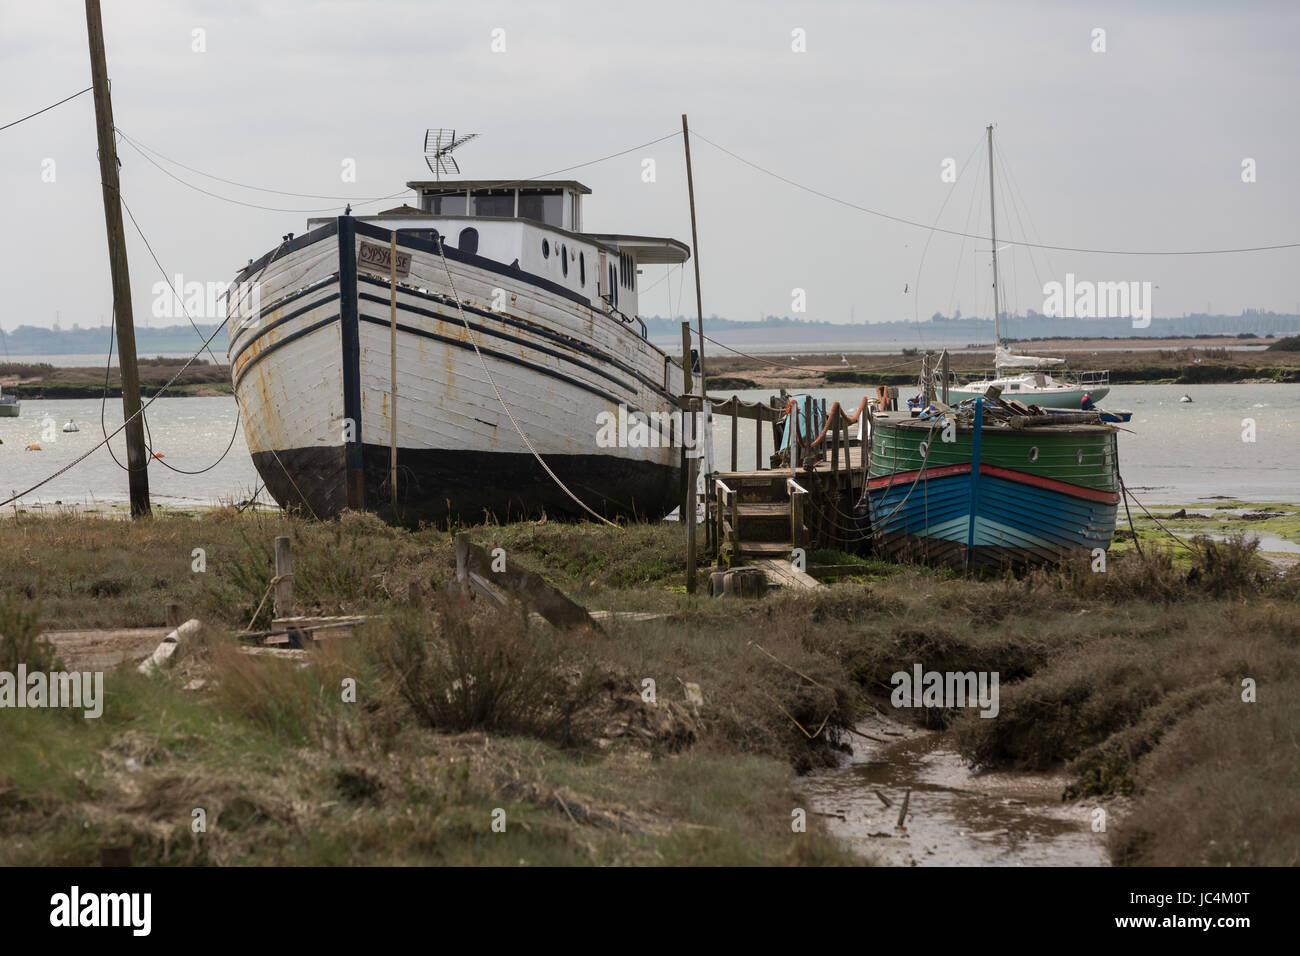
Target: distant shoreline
<point>1181,361</point>
<point>41,380</point>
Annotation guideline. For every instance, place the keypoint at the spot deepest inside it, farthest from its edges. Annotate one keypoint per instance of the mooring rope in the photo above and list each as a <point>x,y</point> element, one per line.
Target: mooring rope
<point>491,381</point>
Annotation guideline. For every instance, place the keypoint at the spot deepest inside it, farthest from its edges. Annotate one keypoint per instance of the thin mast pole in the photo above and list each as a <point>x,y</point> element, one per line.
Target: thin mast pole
<point>136,460</point>
<point>993,231</point>
<point>695,251</point>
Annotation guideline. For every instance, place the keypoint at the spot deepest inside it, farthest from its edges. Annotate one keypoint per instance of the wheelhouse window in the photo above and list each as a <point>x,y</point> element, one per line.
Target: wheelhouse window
<point>494,203</point>
<point>445,204</point>
<point>542,205</point>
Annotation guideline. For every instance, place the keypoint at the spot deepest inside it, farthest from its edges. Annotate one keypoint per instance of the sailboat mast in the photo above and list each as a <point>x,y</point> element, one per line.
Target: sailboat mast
<point>993,231</point>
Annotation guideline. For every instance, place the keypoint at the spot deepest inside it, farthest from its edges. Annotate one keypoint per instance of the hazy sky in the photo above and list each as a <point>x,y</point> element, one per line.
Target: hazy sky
<point>1137,147</point>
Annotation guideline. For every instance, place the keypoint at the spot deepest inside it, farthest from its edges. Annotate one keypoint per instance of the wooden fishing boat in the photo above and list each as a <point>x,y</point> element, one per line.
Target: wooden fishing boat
<point>1008,489</point>
<point>510,319</point>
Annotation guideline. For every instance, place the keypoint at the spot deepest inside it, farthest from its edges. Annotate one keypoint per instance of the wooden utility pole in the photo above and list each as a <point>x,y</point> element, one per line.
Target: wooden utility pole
<point>695,250</point>
<point>136,460</point>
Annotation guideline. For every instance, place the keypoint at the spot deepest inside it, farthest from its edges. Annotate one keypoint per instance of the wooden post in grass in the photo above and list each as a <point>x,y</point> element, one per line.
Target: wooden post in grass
<point>283,578</point>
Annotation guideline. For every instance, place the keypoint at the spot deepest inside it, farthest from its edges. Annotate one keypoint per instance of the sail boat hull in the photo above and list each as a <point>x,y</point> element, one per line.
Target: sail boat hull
<point>1066,398</point>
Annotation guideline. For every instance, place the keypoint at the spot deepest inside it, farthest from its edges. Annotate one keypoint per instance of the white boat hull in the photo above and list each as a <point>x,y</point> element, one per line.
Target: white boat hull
<point>1065,398</point>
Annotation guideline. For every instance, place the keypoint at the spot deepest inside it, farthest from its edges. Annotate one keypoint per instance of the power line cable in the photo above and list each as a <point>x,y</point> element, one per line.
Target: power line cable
<point>1017,242</point>
<point>46,109</point>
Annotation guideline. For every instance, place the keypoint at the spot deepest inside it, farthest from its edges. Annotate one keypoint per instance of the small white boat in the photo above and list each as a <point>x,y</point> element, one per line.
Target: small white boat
<point>9,405</point>
<point>1185,398</point>
<point>1034,387</point>
<point>71,426</point>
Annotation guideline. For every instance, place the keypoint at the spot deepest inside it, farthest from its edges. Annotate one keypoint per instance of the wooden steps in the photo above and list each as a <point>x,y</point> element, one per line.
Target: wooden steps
<point>766,549</point>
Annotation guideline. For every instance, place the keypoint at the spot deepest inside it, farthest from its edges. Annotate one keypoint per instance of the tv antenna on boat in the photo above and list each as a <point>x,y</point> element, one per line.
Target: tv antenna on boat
<point>438,144</point>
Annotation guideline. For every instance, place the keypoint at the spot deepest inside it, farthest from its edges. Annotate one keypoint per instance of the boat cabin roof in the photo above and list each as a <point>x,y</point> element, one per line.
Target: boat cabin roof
<point>471,185</point>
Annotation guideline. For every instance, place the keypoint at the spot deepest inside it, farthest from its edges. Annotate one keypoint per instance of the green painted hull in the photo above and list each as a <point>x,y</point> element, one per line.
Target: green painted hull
<point>1085,456</point>
<point>995,496</point>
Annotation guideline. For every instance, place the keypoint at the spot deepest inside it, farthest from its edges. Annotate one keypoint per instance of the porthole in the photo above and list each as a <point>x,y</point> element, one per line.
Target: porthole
<point>564,260</point>
<point>546,249</point>
<point>1033,453</point>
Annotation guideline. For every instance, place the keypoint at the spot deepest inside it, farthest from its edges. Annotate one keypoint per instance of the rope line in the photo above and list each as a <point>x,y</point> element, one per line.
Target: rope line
<point>473,340</point>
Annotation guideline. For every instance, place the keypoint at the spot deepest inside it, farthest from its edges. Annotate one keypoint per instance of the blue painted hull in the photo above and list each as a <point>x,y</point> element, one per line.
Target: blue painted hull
<point>994,520</point>
<point>983,509</point>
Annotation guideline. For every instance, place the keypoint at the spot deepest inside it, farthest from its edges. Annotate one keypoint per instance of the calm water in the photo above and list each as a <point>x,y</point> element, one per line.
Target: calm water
<point>191,433</point>
<point>1172,453</point>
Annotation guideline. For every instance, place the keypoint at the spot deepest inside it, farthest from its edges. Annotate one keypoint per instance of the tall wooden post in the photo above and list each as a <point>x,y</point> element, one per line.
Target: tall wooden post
<point>136,459</point>
<point>946,375</point>
<point>695,249</point>
<point>692,476</point>
<point>392,344</point>
<point>283,599</point>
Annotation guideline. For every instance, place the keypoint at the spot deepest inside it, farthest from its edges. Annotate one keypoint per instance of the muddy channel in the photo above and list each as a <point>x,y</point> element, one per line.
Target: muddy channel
<point>955,817</point>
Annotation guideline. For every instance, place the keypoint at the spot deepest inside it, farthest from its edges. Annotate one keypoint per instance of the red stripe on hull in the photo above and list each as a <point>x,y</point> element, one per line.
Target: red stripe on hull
<point>1050,484</point>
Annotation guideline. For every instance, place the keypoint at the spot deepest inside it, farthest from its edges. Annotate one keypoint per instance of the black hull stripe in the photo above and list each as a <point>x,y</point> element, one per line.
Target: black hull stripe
<point>281,303</point>
<point>513,360</point>
<point>529,327</point>
<point>350,334</point>
<point>308,330</point>
<point>503,356</point>
<point>281,321</point>
<point>383,323</point>
<point>501,335</point>
<point>489,265</point>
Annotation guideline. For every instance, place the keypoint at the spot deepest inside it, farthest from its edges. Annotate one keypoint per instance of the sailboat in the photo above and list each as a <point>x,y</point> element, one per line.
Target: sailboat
<point>1024,377</point>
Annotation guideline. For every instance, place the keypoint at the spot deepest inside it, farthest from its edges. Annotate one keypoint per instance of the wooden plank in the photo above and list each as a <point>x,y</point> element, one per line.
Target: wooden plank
<point>474,569</point>
<point>761,548</point>
<point>781,573</point>
<point>632,616</point>
<point>285,653</point>
<point>104,649</point>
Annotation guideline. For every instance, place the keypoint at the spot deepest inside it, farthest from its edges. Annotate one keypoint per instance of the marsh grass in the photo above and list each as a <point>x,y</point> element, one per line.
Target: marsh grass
<point>1129,679</point>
